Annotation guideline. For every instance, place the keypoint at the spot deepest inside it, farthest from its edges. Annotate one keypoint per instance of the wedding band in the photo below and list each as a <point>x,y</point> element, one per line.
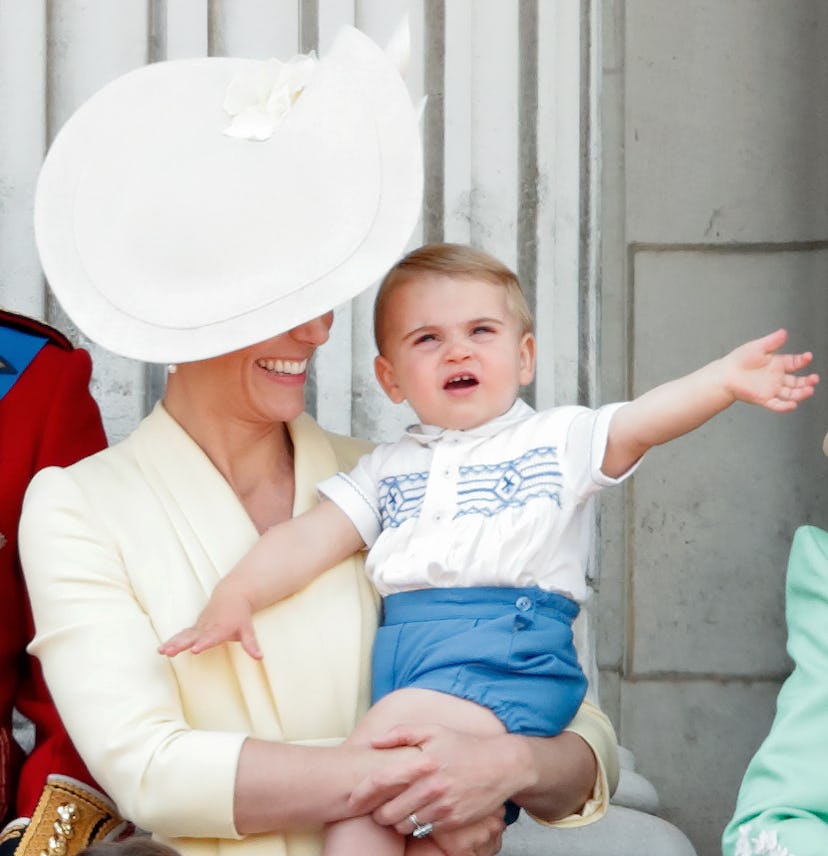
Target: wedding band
<point>421,830</point>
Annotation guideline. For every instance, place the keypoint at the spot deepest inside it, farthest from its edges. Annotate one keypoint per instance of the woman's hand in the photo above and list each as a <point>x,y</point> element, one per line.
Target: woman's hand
<point>472,778</point>
<point>459,787</point>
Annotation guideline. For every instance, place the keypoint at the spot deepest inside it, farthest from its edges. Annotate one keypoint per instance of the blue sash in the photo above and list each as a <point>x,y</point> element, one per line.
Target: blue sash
<point>17,350</point>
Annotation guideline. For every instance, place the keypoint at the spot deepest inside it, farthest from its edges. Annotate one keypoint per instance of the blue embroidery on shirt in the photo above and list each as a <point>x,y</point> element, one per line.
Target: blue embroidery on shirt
<point>485,489</point>
<point>489,489</point>
<point>401,497</point>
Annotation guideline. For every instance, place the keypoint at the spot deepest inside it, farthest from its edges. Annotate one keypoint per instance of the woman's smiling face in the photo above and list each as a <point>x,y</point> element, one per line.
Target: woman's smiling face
<point>264,382</point>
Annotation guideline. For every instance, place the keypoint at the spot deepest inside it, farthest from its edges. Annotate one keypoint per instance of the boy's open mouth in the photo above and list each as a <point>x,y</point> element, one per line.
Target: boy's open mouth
<point>463,381</point>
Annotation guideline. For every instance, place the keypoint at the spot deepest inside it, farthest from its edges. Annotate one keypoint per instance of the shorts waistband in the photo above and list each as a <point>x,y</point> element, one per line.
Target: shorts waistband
<point>474,602</point>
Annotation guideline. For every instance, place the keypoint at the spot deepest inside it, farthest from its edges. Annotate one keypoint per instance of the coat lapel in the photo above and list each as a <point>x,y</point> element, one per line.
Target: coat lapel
<point>315,639</point>
<point>311,684</point>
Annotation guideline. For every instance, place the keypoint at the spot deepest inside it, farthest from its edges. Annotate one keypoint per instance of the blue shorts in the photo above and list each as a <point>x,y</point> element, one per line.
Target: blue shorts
<point>508,649</point>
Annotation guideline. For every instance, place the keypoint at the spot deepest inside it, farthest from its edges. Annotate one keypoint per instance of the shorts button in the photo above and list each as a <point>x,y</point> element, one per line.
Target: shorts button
<point>523,603</point>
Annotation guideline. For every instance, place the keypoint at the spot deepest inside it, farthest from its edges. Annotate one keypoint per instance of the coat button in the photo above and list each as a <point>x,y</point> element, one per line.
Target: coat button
<point>523,603</point>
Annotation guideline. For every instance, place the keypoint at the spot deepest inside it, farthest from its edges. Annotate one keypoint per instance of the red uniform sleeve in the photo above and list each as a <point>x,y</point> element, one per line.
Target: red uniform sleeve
<point>48,418</point>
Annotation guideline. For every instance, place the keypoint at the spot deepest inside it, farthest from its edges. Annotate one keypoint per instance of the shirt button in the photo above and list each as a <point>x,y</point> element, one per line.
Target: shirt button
<point>437,517</point>
<point>523,603</point>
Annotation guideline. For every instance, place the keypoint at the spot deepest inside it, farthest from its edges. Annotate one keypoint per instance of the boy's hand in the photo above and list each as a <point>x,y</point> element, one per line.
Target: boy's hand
<point>226,618</point>
<point>756,375</point>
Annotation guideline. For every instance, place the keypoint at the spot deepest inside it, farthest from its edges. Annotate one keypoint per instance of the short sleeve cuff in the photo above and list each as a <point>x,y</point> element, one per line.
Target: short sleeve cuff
<point>342,490</point>
<point>598,446</point>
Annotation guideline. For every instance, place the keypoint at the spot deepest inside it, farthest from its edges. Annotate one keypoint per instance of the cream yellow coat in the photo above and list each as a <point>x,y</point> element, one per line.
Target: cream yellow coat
<point>120,551</point>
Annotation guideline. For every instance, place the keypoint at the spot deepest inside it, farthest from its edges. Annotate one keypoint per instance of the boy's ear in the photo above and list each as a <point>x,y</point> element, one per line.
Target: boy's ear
<point>387,378</point>
<point>528,351</point>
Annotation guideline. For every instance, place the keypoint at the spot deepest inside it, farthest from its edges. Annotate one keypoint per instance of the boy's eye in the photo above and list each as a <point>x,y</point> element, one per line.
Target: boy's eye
<point>481,328</point>
<point>425,337</point>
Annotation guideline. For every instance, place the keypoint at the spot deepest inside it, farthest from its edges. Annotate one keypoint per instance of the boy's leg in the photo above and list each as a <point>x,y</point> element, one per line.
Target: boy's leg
<point>416,706</point>
<point>360,835</point>
<point>422,847</point>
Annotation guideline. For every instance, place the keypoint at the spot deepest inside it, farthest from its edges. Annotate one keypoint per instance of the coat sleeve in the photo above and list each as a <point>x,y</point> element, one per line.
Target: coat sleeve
<point>594,727</point>
<point>48,417</point>
<point>125,715</point>
<point>65,426</point>
<point>782,806</point>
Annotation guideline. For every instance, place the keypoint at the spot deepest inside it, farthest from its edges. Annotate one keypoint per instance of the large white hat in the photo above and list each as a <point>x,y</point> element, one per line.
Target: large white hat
<point>171,232</point>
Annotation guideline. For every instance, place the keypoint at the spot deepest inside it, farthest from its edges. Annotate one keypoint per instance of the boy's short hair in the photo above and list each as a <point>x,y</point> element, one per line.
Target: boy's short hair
<point>139,845</point>
<point>455,261</point>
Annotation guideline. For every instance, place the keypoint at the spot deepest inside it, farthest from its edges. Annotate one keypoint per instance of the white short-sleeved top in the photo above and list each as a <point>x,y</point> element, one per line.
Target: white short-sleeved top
<point>503,504</point>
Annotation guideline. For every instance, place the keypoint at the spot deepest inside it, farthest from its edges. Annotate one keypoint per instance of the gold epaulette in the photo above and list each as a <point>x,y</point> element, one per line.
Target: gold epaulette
<point>69,816</point>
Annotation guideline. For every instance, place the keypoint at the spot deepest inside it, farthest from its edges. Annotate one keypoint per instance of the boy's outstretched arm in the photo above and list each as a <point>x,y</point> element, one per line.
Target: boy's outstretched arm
<point>284,560</point>
<point>752,373</point>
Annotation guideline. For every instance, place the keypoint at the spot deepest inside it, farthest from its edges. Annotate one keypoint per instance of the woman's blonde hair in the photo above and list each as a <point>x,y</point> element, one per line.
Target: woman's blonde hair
<point>456,261</point>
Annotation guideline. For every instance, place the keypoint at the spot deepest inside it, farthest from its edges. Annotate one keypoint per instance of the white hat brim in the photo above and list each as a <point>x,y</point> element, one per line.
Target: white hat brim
<point>166,240</point>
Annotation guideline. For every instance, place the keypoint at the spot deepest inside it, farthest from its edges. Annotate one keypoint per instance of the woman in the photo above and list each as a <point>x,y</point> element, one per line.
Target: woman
<point>782,808</point>
<point>168,240</point>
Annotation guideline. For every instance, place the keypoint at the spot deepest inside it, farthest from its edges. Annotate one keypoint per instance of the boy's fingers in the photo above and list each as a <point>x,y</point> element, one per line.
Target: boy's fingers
<point>803,381</point>
<point>793,362</point>
<point>798,387</point>
<point>775,340</point>
<point>206,640</point>
<point>250,643</point>
<point>176,644</point>
<point>801,393</point>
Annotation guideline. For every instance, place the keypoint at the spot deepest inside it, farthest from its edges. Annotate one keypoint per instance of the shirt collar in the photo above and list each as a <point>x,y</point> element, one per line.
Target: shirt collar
<point>429,434</point>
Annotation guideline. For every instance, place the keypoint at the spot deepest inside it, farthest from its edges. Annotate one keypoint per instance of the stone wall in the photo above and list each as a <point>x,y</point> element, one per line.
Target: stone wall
<point>715,231</point>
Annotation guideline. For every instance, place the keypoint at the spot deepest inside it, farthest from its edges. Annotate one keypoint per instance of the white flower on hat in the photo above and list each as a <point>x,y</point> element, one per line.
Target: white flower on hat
<point>257,99</point>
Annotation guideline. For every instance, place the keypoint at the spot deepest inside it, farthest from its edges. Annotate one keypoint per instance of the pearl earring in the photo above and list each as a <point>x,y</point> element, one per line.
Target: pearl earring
<point>172,368</point>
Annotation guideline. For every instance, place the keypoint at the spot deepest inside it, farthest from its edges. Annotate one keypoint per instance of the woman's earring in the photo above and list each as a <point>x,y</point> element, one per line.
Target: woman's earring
<point>172,368</point>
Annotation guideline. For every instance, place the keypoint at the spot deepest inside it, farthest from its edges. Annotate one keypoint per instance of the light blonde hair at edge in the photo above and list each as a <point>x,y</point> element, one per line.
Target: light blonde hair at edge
<point>457,261</point>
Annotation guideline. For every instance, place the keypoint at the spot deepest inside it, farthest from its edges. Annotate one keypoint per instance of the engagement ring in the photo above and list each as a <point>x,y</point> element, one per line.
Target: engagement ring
<point>421,830</point>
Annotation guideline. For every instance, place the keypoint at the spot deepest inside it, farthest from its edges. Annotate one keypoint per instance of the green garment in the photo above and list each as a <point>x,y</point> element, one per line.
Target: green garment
<point>782,809</point>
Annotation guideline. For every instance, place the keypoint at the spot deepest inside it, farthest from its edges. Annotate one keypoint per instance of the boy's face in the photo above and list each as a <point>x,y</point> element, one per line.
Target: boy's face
<point>453,349</point>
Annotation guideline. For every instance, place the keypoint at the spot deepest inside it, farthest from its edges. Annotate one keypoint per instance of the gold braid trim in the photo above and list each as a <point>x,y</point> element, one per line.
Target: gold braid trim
<point>12,831</point>
<point>69,816</point>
